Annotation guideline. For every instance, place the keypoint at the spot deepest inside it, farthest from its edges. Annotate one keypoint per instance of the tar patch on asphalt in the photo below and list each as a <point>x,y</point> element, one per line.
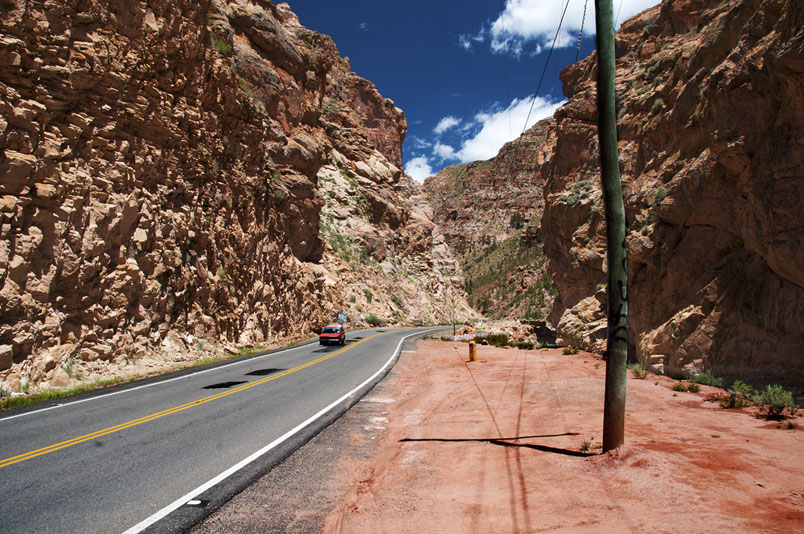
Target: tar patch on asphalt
<point>224,385</point>
<point>326,349</point>
<point>263,372</point>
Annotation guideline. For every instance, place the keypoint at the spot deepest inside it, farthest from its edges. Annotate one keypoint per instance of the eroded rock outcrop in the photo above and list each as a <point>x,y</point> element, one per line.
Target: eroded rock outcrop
<point>489,212</point>
<point>711,108</point>
<point>163,172</point>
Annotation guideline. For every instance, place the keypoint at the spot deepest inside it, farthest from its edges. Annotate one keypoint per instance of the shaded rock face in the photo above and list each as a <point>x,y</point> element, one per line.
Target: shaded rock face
<point>711,107</point>
<point>489,212</point>
<point>160,172</point>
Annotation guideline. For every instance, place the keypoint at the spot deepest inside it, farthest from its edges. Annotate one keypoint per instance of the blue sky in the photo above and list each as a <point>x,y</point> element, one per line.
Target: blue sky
<point>444,63</point>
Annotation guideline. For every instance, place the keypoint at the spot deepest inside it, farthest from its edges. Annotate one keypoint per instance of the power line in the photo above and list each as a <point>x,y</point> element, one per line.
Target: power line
<point>580,34</point>
<point>547,62</point>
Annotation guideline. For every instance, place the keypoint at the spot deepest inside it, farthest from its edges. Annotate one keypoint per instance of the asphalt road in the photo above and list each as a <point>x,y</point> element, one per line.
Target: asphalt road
<point>161,456</point>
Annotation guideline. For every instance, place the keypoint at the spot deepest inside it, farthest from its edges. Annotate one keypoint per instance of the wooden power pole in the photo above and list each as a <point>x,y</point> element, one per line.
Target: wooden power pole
<point>617,340</point>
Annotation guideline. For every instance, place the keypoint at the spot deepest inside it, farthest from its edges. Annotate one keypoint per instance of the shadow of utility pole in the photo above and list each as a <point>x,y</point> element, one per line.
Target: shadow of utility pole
<point>506,442</point>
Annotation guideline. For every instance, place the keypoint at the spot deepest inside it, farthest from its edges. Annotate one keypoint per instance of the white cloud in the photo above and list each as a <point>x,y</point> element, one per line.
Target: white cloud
<point>445,124</point>
<point>364,26</point>
<point>465,42</point>
<point>420,143</point>
<point>495,128</point>
<point>444,151</point>
<point>418,168</point>
<point>536,21</point>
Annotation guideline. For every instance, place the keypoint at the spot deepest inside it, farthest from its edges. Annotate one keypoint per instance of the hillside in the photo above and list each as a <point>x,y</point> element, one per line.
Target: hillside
<point>181,175</point>
<point>710,125</point>
<point>710,129</point>
<point>489,212</point>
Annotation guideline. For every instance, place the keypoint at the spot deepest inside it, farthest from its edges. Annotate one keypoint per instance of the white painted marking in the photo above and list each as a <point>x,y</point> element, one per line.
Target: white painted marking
<point>142,525</point>
<point>159,382</point>
<point>379,400</point>
<point>193,502</point>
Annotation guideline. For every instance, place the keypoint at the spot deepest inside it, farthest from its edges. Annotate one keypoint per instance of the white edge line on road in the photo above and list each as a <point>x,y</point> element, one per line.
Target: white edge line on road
<point>103,396</point>
<point>164,512</point>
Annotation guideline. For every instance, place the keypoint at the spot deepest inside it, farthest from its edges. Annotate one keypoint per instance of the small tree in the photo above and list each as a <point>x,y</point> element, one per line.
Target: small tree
<point>775,402</point>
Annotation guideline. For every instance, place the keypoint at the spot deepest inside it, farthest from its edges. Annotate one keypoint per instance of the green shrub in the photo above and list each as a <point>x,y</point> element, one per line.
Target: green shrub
<point>542,344</point>
<point>498,340</point>
<point>220,45</point>
<point>638,369</point>
<point>774,402</point>
<point>569,350</point>
<point>372,319</point>
<point>686,386</point>
<point>739,395</point>
<point>707,379</point>
<point>527,345</point>
<point>369,295</point>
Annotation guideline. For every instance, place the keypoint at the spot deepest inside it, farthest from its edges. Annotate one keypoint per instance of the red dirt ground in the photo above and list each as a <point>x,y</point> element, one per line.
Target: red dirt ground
<point>495,446</point>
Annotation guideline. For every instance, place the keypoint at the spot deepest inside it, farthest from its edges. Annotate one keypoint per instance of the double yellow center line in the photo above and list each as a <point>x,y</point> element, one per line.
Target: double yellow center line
<point>106,431</point>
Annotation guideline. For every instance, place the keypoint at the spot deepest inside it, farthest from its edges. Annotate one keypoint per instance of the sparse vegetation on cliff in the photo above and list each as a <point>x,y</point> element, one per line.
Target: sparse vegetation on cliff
<point>710,234</point>
<point>228,197</point>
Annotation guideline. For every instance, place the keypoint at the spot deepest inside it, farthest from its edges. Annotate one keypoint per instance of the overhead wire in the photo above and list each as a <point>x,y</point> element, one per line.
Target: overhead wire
<point>517,142</point>
<point>580,33</point>
<point>546,63</point>
<point>617,18</point>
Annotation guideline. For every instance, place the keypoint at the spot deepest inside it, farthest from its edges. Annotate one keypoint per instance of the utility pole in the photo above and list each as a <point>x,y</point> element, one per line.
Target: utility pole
<point>617,309</point>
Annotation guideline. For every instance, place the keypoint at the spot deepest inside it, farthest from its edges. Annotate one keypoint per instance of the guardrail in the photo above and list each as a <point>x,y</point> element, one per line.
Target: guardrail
<point>464,337</point>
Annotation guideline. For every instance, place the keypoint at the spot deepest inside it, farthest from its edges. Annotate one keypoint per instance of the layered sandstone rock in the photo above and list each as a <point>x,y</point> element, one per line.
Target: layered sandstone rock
<point>163,172</point>
<point>711,133</point>
<point>489,212</point>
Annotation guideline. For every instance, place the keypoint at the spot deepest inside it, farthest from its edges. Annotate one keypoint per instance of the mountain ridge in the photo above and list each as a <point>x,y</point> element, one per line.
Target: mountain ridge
<point>185,175</point>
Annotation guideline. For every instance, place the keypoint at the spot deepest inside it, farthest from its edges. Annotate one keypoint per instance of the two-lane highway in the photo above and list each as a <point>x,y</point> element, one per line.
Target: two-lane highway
<point>123,461</point>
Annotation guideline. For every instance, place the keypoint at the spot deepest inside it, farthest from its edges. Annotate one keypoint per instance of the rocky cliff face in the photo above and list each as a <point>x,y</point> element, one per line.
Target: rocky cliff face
<point>489,212</point>
<point>711,102</point>
<point>183,170</point>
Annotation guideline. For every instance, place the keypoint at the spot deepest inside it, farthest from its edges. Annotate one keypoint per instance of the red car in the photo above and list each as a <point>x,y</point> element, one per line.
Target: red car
<point>333,333</point>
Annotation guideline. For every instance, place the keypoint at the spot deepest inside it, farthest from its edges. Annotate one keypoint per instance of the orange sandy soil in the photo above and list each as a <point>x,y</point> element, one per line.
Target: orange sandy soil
<point>495,446</point>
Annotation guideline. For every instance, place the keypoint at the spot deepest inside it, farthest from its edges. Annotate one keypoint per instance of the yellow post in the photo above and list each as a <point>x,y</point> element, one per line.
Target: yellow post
<point>472,351</point>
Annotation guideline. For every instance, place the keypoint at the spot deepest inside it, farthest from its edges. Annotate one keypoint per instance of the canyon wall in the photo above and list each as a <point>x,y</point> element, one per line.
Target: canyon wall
<point>180,171</point>
<point>489,212</point>
<point>711,139</point>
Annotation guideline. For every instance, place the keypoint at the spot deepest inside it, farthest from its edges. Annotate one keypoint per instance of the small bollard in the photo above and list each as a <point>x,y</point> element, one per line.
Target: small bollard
<point>472,351</point>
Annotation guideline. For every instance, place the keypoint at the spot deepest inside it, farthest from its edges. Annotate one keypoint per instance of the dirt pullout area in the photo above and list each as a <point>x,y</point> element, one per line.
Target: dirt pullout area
<point>497,446</point>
